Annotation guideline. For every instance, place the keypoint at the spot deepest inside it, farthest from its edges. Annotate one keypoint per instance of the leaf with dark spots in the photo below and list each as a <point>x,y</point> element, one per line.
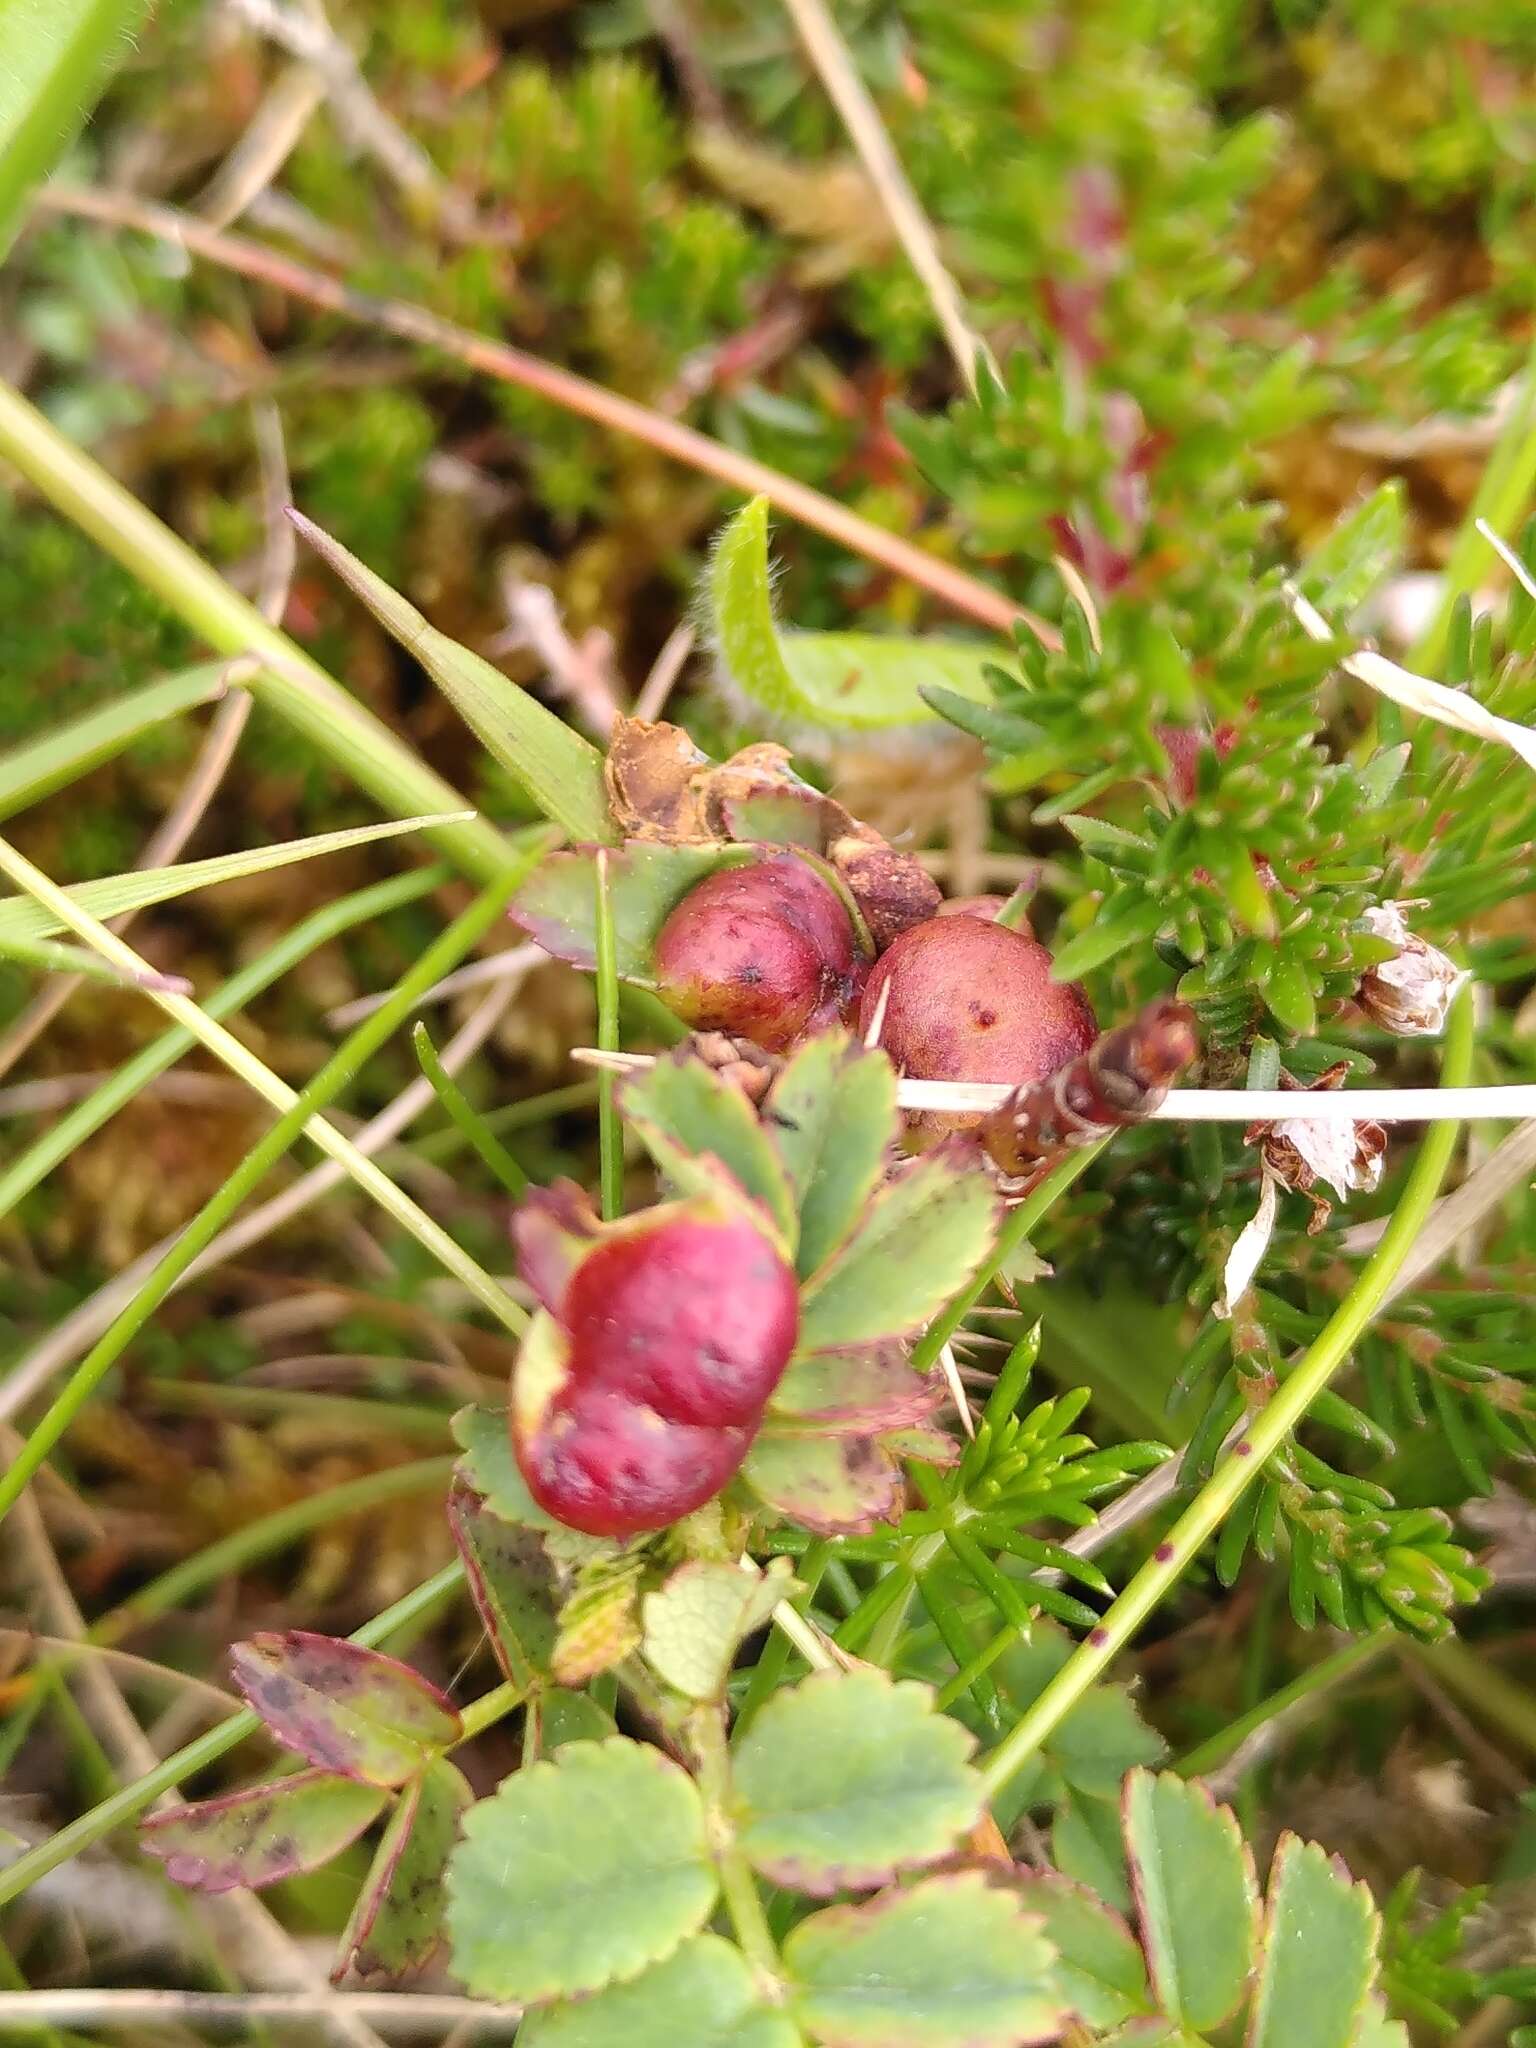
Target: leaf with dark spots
<point>258,1836</point>
<point>836,1485</point>
<point>397,1922</point>
<point>510,1584</point>
<point>345,1708</point>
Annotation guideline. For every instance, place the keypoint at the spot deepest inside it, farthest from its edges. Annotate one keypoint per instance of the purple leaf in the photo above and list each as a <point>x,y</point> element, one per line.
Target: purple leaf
<point>265,1833</point>
<point>345,1708</point>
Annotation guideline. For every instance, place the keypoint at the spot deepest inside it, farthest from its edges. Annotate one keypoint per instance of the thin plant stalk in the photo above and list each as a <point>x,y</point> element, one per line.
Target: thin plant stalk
<point>57,1143</point>
<point>824,45</point>
<point>465,1117</point>
<point>1310,1684</point>
<point>961,593</point>
<point>268,1533</point>
<point>1259,1441</point>
<point>286,679</point>
<point>1503,493</point>
<point>610,1136</point>
<point>299,1114</point>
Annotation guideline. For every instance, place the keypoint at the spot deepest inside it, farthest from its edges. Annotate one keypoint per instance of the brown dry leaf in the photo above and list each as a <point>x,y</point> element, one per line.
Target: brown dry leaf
<point>652,776</point>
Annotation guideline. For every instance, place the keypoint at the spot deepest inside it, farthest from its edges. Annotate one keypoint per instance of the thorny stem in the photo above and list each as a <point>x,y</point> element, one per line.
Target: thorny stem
<point>961,593</point>
<point>1257,1444</point>
<point>738,1887</point>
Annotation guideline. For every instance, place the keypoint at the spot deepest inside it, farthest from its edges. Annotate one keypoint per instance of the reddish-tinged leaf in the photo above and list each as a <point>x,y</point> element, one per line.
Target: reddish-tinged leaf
<point>557,905</point>
<point>263,1834</point>
<point>345,1708</point>
<point>857,1392</point>
<point>836,1485</point>
<point>510,1584</point>
<point>397,1923</point>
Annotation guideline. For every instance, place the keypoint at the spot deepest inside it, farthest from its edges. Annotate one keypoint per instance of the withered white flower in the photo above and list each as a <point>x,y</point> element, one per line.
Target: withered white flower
<point>1410,994</point>
<point>1296,1153</point>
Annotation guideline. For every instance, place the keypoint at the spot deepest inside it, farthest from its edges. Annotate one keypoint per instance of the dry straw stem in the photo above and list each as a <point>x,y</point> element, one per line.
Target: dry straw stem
<point>1212,1105</point>
<point>1455,708</point>
<point>861,117</point>
<point>961,593</point>
<point>83,1326</point>
<point>409,2014</point>
<point>226,1047</point>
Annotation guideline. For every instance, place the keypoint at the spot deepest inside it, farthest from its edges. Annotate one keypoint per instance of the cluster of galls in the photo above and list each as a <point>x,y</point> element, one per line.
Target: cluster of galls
<point>668,1333</point>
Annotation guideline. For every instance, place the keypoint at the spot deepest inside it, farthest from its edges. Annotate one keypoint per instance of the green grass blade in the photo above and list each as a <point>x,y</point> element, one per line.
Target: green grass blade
<point>58,56</point>
<point>38,767</point>
<point>561,771</point>
<point>113,894</point>
<point>87,1116</point>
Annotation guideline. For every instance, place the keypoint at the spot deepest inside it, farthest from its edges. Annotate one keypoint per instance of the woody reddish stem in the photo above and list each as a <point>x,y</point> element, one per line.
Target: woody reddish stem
<point>962,594</point>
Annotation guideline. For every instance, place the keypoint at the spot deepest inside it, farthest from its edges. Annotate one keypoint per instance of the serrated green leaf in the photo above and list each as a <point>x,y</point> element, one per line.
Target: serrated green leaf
<point>1318,1957</point>
<point>578,1873</point>
<point>949,1963</point>
<point>694,1624</point>
<point>20,917</point>
<point>1087,1847</point>
<point>684,1111</point>
<point>1099,1966</point>
<point>1193,1878</point>
<point>701,1997</point>
<point>396,1924</point>
<point>561,771</point>
<point>40,766</point>
<point>836,1485</point>
<point>265,1833</point>
<point>599,1623</point>
<point>847,1778</point>
<point>1375,2030</point>
<point>490,1468</point>
<point>510,1584</point>
<point>919,1241</point>
<point>833,1114</point>
<point>345,1708</point>
<point>557,905</point>
<point>571,1717</point>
